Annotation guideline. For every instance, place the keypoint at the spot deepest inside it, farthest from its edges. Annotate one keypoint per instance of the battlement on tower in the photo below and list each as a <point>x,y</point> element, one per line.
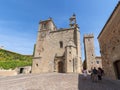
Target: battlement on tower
<point>89,36</point>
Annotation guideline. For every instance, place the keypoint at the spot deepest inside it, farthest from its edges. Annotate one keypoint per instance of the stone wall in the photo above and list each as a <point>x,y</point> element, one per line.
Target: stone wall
<point>23,70</point>
<point>109,40</point>
<point>7,72</point>
<point>98,62</point>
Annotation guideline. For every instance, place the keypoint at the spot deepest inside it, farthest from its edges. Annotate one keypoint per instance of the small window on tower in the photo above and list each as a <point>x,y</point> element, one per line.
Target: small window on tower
<point>97,62</point>
<point>61,44</point>
<point>118,40</point>
<point>44,26</point>
<point>37,64</point>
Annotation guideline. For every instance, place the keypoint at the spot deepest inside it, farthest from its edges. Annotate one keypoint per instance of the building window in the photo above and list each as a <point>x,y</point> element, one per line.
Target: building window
<point>97,62</point>
<point>37,64</point>
<point>114,31</point>
<point>118,40</point>
<point>88,39</point>
<point>44,26</point>
<point>61,44</point>
<point>42,49</point>
<point>113,48</point>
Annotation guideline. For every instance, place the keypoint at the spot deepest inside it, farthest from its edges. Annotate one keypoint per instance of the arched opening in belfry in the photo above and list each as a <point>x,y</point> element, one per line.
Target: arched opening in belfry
<point>60,67</point>
<point>117,69</point>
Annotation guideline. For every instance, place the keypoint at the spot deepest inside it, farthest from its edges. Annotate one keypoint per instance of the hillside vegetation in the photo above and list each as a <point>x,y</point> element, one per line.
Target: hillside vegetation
<point>11,60</point>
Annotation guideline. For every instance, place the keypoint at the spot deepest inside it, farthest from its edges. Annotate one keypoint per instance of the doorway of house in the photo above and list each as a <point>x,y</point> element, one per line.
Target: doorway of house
<point>21,70</point>
<point>117,69</point>
<point>60,67</point>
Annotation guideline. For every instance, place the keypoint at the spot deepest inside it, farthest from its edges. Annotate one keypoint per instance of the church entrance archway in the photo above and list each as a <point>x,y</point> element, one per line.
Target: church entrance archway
<point>117,69</point>
<point>60,67</point>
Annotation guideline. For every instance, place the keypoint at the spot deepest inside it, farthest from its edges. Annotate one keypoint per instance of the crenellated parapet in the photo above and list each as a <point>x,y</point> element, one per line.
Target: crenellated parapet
<point>89,35</point>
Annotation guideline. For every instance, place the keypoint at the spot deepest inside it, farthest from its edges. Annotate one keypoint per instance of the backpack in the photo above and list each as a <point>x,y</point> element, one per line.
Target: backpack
<point>94,71</point>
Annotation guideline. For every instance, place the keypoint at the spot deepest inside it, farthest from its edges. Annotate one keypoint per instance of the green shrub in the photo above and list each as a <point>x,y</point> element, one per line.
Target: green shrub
<point>13,64</point>
<point>11,60</point>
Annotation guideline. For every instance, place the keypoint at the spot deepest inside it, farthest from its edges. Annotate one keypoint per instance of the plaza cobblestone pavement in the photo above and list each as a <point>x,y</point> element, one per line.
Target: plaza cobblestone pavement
<point>55,81</point>
<point>105,84</point>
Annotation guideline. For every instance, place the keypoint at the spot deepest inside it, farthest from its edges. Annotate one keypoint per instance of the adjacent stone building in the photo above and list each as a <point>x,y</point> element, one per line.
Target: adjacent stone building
<point>57,50</point>
<point>109,40</point>
<point>98,61</point>
<point>91,60</point>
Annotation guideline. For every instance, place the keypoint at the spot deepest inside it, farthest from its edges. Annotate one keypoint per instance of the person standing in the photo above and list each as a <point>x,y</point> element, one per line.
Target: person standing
<point>84,73</point>
<point>94,75</point>
<point>100,73</point>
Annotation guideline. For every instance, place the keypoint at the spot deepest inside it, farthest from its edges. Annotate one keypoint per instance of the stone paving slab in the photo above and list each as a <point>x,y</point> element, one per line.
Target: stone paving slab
<point>55,81</point>
<point>105,84</point>
<point>41,82</point>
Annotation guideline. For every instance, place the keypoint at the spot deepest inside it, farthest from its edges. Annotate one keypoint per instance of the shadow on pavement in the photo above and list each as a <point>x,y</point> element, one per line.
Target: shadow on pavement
<point>99,85</point>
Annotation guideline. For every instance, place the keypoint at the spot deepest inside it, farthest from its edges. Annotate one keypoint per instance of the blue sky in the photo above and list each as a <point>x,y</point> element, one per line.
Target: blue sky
<point>19,19</point>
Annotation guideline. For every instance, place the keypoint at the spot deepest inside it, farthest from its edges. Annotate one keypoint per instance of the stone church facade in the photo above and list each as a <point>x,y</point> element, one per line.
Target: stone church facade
<point>57,50</point>
<point>109,40</point>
